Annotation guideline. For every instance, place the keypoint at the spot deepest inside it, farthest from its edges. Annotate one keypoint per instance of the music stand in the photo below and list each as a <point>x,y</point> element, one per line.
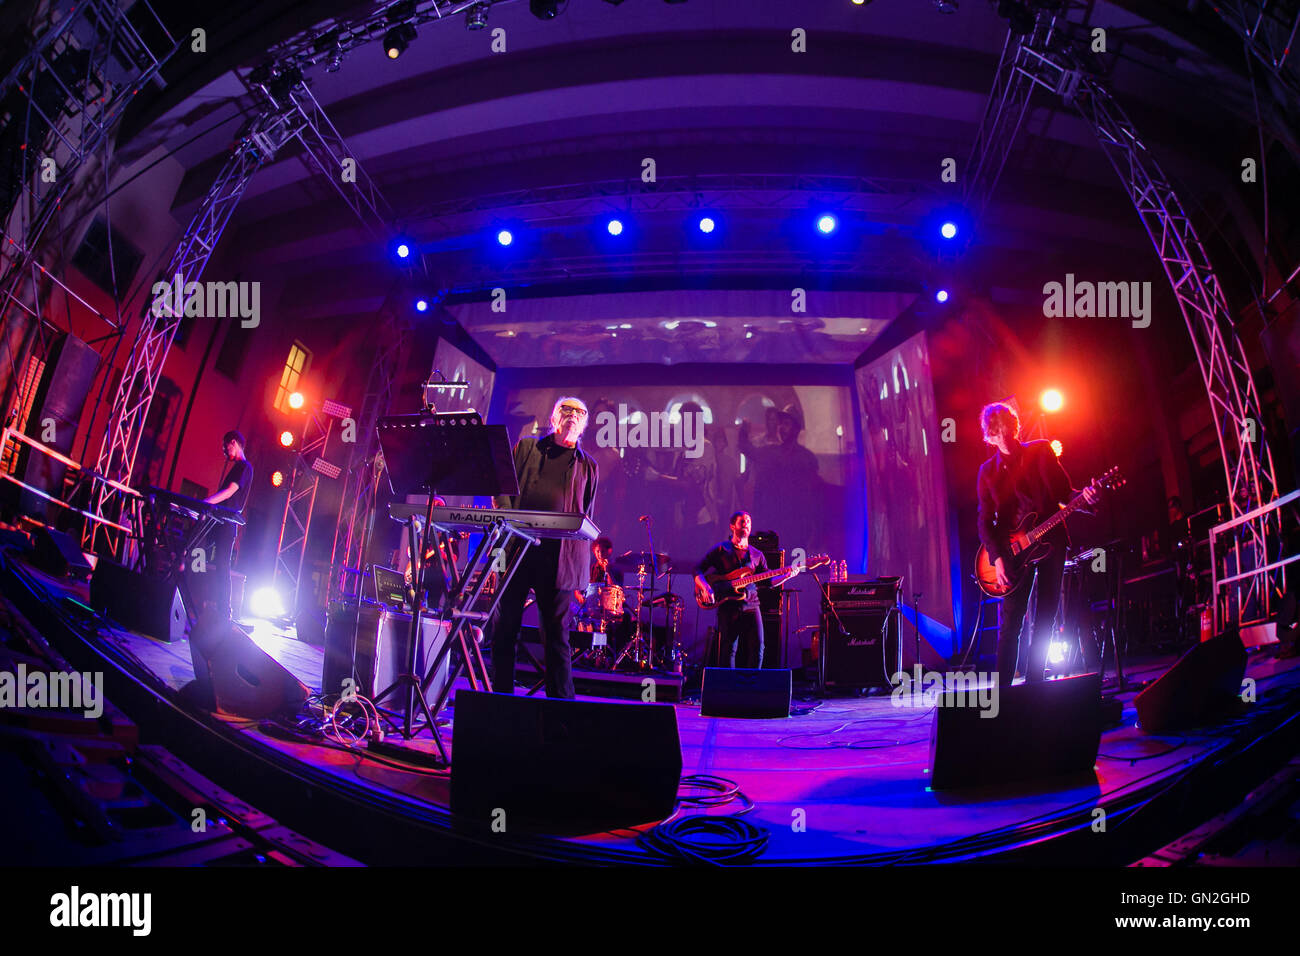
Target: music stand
<point>452,454</point>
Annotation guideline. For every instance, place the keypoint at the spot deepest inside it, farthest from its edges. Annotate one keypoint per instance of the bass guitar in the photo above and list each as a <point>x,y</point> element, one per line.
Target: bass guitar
<point>1025,544</point>
<point>731,586</point>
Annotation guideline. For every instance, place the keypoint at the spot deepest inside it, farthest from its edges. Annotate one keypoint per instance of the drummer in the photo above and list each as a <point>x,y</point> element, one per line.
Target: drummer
<point>602,569</point>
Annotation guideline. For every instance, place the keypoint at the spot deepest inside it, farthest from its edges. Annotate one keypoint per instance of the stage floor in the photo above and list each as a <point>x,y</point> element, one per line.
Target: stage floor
<point>842,779</point>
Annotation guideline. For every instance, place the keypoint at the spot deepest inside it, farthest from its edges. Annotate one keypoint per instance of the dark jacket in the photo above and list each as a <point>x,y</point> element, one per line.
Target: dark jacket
<point>1010,487</point>
<point>580,495</point>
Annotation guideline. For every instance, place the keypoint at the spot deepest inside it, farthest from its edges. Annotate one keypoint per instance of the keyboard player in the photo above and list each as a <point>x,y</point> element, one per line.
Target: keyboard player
<point>232,494</point>
<point>555,475</point>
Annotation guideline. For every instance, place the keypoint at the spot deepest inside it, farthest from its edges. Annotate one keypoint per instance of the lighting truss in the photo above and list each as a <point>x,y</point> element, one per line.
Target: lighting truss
<point>289,113</point>
<point>364,468</point>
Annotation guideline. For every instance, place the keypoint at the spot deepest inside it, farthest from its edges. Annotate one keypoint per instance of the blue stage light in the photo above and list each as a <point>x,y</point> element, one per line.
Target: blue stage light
<point>403,250</point>
<point>707,224</point>
<point>827,224</point>
<point>948,230</point>
<point>615,227</point>
<point>421,305</point>
<point>504,237</point>
<point>941,295</point>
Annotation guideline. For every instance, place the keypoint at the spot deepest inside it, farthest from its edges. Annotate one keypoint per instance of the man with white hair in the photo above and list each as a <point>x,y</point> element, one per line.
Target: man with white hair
<point>555,474</point>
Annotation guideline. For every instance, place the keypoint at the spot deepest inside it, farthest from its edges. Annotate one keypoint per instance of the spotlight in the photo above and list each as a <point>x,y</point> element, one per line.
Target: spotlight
<point>397,39</point>
<point>504,237</point>
<point>941,295</point>
<point>615,227</point>
<point>286,439</point>
<point>266,603</point>
<point>402,248</point>
<point>296,399</point>
<point>707,225</point>
<point>1057,653</point>
<point>476,17</point>
<point>421,305</point>
<point>827,224</point>
<point>277,479</point>
<point>948,230</point>
<point>1051,400</point>
<point>544,9</point>
<point>1057,447</point>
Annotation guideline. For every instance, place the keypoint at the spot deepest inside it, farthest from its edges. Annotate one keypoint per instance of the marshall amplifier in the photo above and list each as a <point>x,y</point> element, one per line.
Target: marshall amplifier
<point>861,648</point>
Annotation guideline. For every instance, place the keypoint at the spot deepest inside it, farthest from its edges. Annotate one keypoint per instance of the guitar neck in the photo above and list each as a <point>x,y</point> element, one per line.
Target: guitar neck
<point>1078,501</point>
<point>748,579</point>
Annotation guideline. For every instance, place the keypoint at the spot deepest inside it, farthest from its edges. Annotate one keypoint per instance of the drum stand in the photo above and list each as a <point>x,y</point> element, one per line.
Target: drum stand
<point>641,649</point>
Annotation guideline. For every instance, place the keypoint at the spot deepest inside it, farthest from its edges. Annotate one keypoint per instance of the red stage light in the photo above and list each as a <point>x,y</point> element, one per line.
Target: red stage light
<point>1057,447</point>
<point>1052,400</point>
<point>296,400</point>
<point>286,439</point>
<point>277,479</point>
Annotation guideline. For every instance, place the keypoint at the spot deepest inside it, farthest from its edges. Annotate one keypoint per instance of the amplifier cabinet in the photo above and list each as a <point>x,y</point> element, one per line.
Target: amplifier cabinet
<point>866,652</point>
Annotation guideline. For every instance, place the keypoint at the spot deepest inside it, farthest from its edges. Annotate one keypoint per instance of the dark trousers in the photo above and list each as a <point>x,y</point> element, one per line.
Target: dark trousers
<point>1011,619</point>
<point>741,629</point>
<point>219,590</point>
<point>537,574</point>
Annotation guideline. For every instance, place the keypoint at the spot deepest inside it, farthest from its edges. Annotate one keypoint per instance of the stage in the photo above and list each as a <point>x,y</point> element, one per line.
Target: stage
<point>843,780</point>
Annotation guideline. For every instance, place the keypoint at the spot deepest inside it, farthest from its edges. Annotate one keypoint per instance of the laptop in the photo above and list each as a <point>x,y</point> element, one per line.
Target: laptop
<point>390,586</point>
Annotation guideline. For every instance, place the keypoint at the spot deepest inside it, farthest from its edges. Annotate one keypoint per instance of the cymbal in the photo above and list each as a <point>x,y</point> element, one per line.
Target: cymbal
<point>631,560</point>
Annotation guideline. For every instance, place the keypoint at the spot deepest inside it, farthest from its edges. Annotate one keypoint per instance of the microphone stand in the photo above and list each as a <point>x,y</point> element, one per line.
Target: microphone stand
<point>654,576</point>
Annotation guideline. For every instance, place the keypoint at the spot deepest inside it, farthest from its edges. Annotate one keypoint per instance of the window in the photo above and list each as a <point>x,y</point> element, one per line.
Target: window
<point>295,367</point>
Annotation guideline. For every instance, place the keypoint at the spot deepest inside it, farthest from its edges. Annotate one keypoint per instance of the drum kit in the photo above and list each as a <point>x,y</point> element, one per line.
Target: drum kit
<point>619,613</point>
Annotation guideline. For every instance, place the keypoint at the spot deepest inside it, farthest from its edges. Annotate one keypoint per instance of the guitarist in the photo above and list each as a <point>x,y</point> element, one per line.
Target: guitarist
<point>738,619</point>
<point>1018,479</point>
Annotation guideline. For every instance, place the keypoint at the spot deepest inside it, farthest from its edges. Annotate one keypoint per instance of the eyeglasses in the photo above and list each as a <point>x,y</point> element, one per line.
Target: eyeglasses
<point>573,410</point>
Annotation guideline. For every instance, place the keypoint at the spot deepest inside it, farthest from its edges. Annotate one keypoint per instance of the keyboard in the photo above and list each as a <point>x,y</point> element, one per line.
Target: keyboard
<point>543,524</point>
<point>193,507</point>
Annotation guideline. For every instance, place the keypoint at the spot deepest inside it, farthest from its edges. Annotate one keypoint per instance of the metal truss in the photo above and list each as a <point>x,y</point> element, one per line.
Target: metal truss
<point>1013,84</point>
<point>144,366</point>
<point>365,463</point>
<point>60,102</point>
<point>1269,30</point>
<point>295,524</point>
<point>284,88</point>
<point>330,40</point>
<point>289,113</point>
<point>1038,61</point>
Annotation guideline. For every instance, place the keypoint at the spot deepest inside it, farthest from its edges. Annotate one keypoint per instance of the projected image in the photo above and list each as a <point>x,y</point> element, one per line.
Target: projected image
<point>907,505</point>
<point>781,453</point>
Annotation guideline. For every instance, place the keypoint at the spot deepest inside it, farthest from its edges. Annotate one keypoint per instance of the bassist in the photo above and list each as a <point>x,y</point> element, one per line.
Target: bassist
<point>1020,478</point>
<point>738,620</point>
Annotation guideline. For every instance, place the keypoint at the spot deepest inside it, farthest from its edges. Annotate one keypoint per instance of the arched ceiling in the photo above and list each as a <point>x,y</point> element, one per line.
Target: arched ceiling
<point>554,130</point>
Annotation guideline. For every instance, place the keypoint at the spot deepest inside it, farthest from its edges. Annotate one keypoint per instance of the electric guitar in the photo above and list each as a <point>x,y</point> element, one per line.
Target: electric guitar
<point>1026,546</point>
<point>731,586</point>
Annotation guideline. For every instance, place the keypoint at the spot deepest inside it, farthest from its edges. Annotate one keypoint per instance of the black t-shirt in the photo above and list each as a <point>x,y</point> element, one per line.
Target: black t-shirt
<point>548,491</point>
<point>241,473</point>
<point>724,558</point>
